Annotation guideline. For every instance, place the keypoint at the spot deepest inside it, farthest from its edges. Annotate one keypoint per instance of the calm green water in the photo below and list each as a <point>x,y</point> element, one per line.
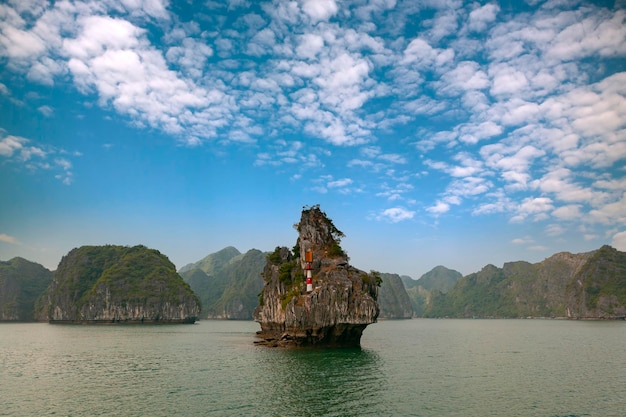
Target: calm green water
<point>405,368</point>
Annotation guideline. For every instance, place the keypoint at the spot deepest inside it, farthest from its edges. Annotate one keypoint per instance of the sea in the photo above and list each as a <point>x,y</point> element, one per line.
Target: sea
<point>419,367</point>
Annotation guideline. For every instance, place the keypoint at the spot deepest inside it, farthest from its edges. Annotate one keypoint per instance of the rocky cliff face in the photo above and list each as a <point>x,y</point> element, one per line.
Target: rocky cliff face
<point>393,299</point>
<point>115,284</point>
<point>21,283</point>
<point>340,305</point>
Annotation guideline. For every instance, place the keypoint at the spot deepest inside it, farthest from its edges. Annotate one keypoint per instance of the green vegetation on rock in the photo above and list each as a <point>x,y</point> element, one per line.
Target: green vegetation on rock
<point>421,291</point>
<point>230,286</point>
<point>118,284</point>
<point>21,283</point>
<point>585,285</point>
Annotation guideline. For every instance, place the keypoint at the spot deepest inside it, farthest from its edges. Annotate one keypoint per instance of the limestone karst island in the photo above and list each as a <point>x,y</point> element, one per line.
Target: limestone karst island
<point>117,284</point>
<point>312,295</point>
<point>308,295</point>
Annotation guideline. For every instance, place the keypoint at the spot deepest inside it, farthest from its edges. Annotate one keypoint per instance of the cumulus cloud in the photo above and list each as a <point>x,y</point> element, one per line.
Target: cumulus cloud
<point>8,239</point>
<point>619,241</point>
<point>319,9</point>
<point>536,208</point>
<point>439,208</point>
<point>516,113</point>
<point>11,144</point>
<point>480,18</point>
<point>396,214</point>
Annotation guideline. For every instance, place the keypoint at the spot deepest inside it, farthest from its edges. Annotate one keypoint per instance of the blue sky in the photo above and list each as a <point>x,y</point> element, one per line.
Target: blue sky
<point>432,132</point>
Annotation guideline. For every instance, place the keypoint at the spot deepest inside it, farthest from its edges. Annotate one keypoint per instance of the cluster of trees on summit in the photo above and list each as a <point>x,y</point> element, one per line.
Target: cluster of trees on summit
<point>228,282</point>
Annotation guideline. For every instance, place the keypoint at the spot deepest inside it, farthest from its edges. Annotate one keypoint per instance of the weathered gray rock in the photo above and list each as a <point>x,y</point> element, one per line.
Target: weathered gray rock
<point>341,304</point>
<point>393,298</point>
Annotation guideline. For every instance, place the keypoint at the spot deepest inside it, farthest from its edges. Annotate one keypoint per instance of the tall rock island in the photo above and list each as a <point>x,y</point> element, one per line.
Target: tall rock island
<point>312,296</point>
<point>117,284</point>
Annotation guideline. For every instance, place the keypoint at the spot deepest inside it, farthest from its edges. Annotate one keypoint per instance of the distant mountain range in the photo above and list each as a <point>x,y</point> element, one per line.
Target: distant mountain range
<point>21,283</point>
<point>580,286</point>
<point>439,280</point>
<point>227,282</point>
<point>586,285</point>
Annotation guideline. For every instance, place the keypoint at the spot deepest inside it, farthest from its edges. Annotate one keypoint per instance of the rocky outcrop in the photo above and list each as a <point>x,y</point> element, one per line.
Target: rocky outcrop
<point>21,283</point>
<point>340,305</point>
<point>117,284</point>
<point>393,299</point>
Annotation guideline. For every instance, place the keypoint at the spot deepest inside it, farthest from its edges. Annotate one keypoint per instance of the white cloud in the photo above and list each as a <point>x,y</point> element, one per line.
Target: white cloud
<point>8,239</point>
<point>597,34</point>
<point>310,45</point>
<point>613,213</point>
<point>439,208</point>
<point>570,212</point>
<point>192,55</point>
<point>522,240</point>
<point>154,8</point>
<point>397,214</point>
<point>319,9</point>
<point>536,207</point>
<point>507,80</point>
<point>46,110</point>
<point>560,183</point>
<point>480,18</point>
<point>467,187</point>
<point>99,34</point>
<point>533,131</point>
<point>421,54</point>
<point>619,241</point>
<point>555,230</point>
<point>344,182</point>
<point>11,144</point>
<point>22,152</point>
<point>18,44</point>
<point>467,75</point>
<point>473,133</point>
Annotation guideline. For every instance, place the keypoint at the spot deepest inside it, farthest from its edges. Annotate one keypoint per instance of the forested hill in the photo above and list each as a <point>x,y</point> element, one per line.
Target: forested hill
<point>438,280</point>
<point>21,283</point>
<point>117,284</point>
<point>227,282</point>
<point>584,285</point>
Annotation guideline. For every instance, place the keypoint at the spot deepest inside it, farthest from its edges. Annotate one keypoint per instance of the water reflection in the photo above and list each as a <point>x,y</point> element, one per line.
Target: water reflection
<point>337,382</point>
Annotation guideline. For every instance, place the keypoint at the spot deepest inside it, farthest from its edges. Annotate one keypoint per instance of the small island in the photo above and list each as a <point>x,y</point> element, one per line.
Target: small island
<point>117,284</point>
<point>312,296</point>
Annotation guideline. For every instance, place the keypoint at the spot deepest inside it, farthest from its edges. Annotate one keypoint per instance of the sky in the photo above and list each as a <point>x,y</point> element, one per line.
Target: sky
<point>435,132</point>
